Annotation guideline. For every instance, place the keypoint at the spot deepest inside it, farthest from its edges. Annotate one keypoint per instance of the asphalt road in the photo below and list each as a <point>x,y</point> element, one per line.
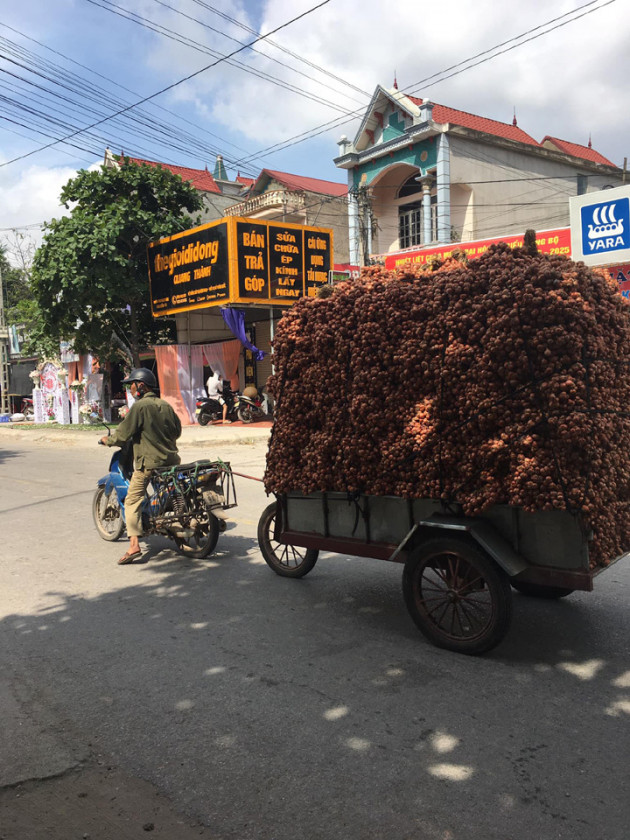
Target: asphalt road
<point>275,709</point>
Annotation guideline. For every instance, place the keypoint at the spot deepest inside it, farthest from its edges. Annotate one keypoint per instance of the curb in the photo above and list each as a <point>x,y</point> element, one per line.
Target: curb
<point>191,436</point>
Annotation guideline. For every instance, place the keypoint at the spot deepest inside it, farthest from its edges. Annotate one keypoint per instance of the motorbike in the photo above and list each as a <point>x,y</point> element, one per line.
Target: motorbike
<point>210,410</point>
<point>27,408</point>
<point>251,408</point>
<point>185,503</point>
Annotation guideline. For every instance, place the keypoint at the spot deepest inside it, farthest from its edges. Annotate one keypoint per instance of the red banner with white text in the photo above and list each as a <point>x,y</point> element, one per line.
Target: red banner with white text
<point>548,242</point>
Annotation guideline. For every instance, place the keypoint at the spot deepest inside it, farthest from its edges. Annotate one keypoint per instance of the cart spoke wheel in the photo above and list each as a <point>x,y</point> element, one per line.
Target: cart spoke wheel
<point>285,560</point>
<point>459,598</point>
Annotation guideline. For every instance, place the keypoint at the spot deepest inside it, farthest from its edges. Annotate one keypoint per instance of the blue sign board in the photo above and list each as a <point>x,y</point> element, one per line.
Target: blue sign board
<point>605,226</point>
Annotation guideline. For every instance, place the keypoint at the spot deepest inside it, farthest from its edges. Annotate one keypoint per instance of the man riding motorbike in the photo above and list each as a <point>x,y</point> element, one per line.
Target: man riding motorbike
<point>153,427</point>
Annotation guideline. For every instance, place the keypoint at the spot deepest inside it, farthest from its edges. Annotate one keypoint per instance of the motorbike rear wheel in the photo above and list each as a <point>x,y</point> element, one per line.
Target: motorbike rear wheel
<point>107,515</point>
<point>245,413</point>
<point>202,541</point>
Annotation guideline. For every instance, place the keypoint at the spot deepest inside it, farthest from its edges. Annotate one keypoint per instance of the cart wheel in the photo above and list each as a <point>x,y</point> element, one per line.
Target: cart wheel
<point>286,560</point>
<point>537,590</point>
<point>459,598</point>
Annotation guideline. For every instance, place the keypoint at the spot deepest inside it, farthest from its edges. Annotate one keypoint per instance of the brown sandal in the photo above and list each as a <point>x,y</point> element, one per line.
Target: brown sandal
<point>129,557</point>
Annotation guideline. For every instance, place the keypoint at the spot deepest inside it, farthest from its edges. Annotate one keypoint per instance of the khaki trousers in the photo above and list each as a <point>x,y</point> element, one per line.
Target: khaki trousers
<point>133,501</point>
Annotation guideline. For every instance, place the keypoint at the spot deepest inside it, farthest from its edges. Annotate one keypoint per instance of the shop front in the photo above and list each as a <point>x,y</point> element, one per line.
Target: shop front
<point>227,283</point>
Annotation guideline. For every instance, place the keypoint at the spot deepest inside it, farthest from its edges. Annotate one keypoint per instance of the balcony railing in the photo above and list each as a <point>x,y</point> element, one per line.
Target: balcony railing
<point>288,202</point>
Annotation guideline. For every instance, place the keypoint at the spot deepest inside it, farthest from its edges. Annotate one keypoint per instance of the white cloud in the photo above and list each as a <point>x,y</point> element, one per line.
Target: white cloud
<point>566,83</point>
<point>29,196</point>
<point>569,83</point>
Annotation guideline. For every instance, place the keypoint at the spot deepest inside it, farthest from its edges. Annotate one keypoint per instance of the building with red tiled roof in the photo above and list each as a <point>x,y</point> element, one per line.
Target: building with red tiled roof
<point>275,195</point>
<point>246,182</point>
<point>299,199</point>
<point>217,195</point>
<point>575,150</point>
<point>508,131</point>
<point>303,183</point>
<point>200,179</point>
<point>272,196</point>
<point>421,173</point>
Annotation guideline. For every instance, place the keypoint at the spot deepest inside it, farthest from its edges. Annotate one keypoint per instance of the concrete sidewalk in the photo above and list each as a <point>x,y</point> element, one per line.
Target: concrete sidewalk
<point>196,435</point>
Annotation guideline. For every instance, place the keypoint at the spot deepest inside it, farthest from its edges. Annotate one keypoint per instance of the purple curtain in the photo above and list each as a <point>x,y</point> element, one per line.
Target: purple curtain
<point>235,319</point>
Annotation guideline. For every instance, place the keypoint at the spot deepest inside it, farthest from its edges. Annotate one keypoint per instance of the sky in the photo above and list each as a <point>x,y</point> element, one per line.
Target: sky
<point>190,86</point>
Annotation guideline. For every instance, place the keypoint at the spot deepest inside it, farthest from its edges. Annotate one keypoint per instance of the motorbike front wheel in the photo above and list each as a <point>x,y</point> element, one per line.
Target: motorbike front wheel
<point>202,541</point>
<point>108,516</point>
<point>206,417</point>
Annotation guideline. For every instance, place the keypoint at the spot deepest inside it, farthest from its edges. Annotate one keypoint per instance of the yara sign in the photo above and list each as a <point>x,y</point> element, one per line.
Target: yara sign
<point>600,226</point>
<point>606,227</point>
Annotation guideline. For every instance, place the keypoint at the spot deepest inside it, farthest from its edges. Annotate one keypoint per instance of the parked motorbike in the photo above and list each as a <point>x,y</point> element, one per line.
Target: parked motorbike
<point>27,408</point>
<point>185,503</point>
<point>251,407</point>
<point>209,409</point>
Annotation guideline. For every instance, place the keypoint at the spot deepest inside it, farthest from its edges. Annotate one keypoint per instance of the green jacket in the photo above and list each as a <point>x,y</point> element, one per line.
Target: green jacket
<point>154,427</point>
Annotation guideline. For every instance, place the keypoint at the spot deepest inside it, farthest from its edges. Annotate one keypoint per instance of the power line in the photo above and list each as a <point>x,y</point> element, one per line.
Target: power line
<point>80,94</point>
<point>118,85</point>
<point>258,52</point>
<point>272,43</point>
<point>463,65</point>
<point>126,14</point>
<point>168,87</point>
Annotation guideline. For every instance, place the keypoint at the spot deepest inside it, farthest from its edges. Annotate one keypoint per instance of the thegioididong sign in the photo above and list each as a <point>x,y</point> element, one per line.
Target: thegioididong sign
<point>238,260</point>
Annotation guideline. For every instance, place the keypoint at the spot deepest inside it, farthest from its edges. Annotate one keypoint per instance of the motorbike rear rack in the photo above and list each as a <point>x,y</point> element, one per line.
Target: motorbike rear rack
<point>184,480</point>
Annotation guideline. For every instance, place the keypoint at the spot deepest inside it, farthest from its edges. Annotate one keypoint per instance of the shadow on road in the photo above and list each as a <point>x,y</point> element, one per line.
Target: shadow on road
<point>6,454</point>
<point>313,709</point>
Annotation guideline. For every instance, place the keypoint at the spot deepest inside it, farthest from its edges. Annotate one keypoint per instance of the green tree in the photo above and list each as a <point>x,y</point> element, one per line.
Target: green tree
<point>21,307</point>
<point>90,276</point>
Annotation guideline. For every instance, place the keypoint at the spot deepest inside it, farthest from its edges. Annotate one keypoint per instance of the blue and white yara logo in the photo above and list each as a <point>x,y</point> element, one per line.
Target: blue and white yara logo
<point>606,227</point>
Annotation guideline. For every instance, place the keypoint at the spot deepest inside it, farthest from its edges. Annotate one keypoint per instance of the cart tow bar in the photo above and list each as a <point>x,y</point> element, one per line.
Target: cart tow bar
<point>242,475</point>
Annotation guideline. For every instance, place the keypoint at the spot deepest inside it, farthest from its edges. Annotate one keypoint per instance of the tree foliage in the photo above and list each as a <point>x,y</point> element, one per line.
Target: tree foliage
<point>20,306</point>
<point>90,276</point>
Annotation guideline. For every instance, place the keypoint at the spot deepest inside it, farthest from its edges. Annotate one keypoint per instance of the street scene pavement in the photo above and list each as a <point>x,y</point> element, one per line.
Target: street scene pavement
<point>180,698</point>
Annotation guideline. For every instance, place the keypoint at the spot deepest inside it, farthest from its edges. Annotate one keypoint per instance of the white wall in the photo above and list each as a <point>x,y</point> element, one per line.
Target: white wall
<point>512,190</point>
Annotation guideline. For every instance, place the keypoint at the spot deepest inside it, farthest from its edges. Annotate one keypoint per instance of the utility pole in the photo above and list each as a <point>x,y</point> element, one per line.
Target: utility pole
<point>5,405</point>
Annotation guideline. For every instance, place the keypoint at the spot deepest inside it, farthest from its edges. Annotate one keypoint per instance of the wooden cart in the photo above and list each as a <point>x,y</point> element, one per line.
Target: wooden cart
<point>458,570</point>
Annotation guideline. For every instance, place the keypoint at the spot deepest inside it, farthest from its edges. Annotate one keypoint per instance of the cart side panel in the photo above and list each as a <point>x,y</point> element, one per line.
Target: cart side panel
<point>371,519</point>
<point>305,513</point>
<point>550,538</point>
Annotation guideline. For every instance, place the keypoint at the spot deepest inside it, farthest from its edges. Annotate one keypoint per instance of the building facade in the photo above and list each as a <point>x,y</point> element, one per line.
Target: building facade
<point>421,174</point>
